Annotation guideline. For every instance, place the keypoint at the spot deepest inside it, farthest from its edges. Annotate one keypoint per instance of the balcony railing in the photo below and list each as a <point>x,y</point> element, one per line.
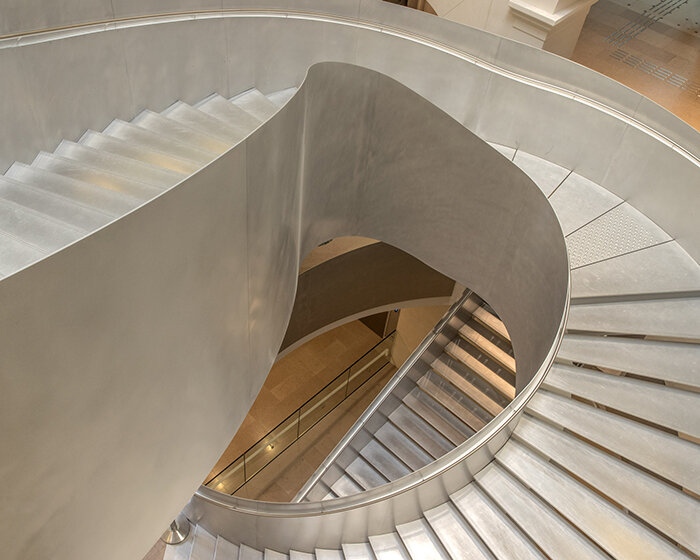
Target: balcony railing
<point>231,479</point>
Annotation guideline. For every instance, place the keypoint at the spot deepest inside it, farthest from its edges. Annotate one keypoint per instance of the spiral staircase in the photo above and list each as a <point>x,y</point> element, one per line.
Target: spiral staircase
<point>119,250</point>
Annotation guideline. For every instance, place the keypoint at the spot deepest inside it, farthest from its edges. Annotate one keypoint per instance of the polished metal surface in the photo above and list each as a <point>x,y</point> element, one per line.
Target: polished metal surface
<point>527,99</point>
<point>178,530</point>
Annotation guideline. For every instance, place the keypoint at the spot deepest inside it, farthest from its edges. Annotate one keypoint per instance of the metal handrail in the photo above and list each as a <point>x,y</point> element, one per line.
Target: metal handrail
<point>383,394</point>
<point>298,413</point>
<point>411,481</point>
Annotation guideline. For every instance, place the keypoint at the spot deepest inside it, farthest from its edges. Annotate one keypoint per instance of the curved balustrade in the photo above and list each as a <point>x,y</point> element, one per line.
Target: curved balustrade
<point>188,345</point>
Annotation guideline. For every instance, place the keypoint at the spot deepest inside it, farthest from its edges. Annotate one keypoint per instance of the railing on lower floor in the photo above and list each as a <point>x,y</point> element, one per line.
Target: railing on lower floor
<point>231,479</point>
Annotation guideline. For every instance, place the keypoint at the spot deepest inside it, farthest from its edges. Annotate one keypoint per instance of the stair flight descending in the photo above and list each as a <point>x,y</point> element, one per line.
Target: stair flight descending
<point>605,461</point>
<point>82,186</point>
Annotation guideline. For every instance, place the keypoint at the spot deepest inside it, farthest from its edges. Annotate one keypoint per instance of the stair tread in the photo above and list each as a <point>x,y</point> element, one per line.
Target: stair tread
<point>295,555</point>
<point>73,169</point>
<point>87,194</point>
<point>670,318</point>
<point>456,536</point>
<point>488,347</point>
<point>248,553</point>
<point>388,547</point>
<point>543,525</point>
<point>402,446</point>
<point>15,254</point>
<point>255,103</point>
<point>473,392</point>
<point>545,174</point>
<point>204,544</point>
<point>383,460</point>
<point>120,147</point>
<point>493,323</point>
<point>481,369</point>
<point>36,229</point>
<point>59,208</point>
<point>221,108</point>
<point>177,131</point>
<point>150,139</point>
<point>364,474</point>
<point>613,530</point>
<point>578,200</point>
<point>665,508</point>
<point>420,431</point>
<point>274,555</point>
<point>659,269</point>
<point>497,532</point>
<point>345,486</point>
<point>280,98</point>
<point>225,550</point>
<point>671,408</point>
<point>443,392</point>
<point>118,165</point>
<point>668,361</point>
<point>358,551</point>
<point>203,122</point>
<point>328,554</point>
<point>664,454</point>
<point>419,540</point>
<point>443,421</point>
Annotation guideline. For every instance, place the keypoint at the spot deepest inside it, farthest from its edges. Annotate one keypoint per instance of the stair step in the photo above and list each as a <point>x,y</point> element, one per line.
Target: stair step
<point>612,529</point>
<point>179,132</point>
<point>274,555</point>
<point>256,104</point>
<point>90,195</point>
<point>151,140</point>
<point>327,554</point>
<point>358,551</point>
<point>491,322</point>
<point>482,370</point>
<point>658,269</point>
<point>56,207</point>
<point>450,398</point>
<point>221,108</point>
<point>118,165</point>
<point>225,550</point>
<point>665,508</point>
<point>126,149</point>
<point>204,545</point>
<point>420,541</point>
<point>247,553</point>
<point>388,547</point>
<point>437,416</point>
<point>204,123</point>
<point>294,555</point>
<point>434,443</point>
<point>456,536</point>
<point>280,98</point>
<point>38,230</point>
<point>667,361</point>
<point>669,318</point>
<point>668,456</point>
<point>384,460</point>
<point>494,528</point>
<point>16,254</point>
<point>578,200</point>
<point>365,474</point>
<point>488,347</point>
<point>554,536</point>
<point>546,175</point>
<point>73,169</point>
<point>473,392</point>
<point>672,408</point>
<point>346,486</point>
<point>402,446</point>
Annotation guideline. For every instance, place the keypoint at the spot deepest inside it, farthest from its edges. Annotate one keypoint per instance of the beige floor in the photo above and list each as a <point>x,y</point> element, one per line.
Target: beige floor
<point>670,52</point>
<point>294,379</point>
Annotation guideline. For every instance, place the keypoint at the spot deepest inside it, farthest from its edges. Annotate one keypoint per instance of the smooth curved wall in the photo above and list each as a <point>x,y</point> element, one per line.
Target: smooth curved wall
<point>129,358</point>
<point>359,283</point>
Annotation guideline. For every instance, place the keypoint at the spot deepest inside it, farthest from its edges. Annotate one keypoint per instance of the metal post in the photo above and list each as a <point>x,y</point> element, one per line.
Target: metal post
<point>178,531</point>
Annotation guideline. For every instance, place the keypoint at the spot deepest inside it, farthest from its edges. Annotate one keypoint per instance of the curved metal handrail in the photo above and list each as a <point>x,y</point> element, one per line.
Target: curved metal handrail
<point>505,419</point>
<point>383,394</point>
<point>52,34</point>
